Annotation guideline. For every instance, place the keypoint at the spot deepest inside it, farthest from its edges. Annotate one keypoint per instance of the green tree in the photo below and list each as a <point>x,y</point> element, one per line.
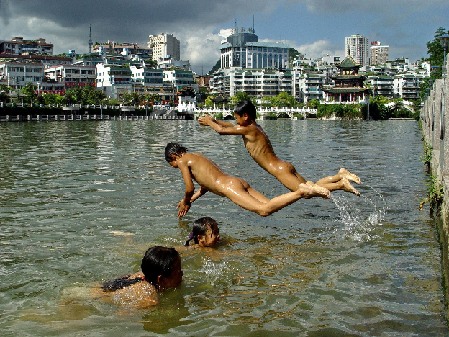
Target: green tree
<point>73,96</point>
<point>313,103</point>
<point>292,55</point>
<point>209,102</point>
<point>283,99</point>
<point>435,51</point>
<point>379,108</point>
<point>4,92</point>
<point>86,95</point>
<point>29,92</point>
<point>240,96</point>
<point>52,99</point>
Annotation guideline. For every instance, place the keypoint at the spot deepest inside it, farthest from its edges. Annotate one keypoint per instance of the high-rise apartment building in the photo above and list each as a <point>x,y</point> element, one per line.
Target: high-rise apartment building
<point>243,50</point>
<point>164,46</point>
<point>356,46</point>
<point>379,53</point>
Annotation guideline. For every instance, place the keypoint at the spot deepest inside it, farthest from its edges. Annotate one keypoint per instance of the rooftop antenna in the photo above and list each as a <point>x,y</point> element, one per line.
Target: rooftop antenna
<point>253,25</point>
<point>90,39</point>
<point>235,26</point>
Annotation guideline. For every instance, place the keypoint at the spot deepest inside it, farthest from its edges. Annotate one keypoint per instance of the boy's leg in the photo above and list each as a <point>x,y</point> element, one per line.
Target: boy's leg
<point>342,184</point>
<point>343,173</point>
<point>350,176</point>
<point>290,180</point>
<point>257,195</point>
<point>244,197</point>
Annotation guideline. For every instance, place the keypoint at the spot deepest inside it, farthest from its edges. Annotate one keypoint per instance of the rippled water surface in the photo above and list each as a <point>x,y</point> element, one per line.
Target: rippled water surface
<point>80,202</point>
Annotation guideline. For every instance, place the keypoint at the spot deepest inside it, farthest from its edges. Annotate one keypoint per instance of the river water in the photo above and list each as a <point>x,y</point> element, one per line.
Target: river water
<point>80,202</point>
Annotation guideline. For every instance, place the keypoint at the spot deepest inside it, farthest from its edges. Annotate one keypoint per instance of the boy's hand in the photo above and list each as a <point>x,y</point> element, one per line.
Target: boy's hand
<point>183,208</point>
<point>205,120</point>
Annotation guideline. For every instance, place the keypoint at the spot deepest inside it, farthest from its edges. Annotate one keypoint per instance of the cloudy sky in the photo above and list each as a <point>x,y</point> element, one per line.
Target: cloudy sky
<point>314,27</point>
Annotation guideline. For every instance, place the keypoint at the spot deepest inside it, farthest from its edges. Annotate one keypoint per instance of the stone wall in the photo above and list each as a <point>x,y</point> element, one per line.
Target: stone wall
<point>435,127</point>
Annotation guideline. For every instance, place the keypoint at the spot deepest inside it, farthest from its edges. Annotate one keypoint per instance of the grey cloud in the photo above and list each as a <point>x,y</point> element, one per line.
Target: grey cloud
<point>134,20</point>
<point>380,6</point>
<point>4,11</point>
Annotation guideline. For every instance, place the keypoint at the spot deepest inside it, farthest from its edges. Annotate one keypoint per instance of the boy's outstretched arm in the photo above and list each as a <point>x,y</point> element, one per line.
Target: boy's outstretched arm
<point>198,193</point>
<point>185,203</point>
<point>208,120</point>
<point>184,207</point>
<point>221,127</point>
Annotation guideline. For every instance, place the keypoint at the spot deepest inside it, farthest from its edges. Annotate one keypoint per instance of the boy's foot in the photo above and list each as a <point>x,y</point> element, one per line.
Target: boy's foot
<point>348,187</point>
<point>310,190</point>
<point>350,176</point>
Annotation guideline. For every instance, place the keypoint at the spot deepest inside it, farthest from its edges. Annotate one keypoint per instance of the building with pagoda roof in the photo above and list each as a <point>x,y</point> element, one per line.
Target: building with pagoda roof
<point>348,84</point>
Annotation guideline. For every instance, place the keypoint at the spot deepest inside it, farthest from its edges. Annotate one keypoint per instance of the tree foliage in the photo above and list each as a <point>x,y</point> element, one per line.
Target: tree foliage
<point>86,95</point>
<point>29,92</point>
<point>343,111</point>
<point>435,53</point>
<point>282,100</point>
<point>292,55</point>
<point>240,96</point>
<point>4,92</point>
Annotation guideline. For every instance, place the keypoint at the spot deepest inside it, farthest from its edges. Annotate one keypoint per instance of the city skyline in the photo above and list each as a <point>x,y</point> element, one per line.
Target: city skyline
<point>313,27</point>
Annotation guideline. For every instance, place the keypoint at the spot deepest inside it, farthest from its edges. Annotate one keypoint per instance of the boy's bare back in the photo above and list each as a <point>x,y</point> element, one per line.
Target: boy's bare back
<point>255,139</point>
<point>204,171</point>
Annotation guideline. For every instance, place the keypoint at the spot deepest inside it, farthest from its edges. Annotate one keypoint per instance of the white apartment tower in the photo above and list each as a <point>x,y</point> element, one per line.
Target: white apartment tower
<point>164,46</point>
<point>243,50</point>
<point>356,46</point>
<point>379,53</point>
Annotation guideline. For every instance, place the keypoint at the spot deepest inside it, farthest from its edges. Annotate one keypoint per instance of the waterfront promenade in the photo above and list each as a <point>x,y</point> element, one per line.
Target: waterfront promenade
<point>130,113</point>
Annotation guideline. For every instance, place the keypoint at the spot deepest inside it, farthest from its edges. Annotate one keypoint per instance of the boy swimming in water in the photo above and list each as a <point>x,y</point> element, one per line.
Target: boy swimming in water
<point>205,232</point>
<point>161,269</point>
<point>210,177</point>
<point>260,149</point>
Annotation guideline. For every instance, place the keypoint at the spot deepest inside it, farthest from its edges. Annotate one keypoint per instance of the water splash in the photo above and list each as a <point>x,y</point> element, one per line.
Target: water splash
<point>213,271</point>
<point>362,217</point>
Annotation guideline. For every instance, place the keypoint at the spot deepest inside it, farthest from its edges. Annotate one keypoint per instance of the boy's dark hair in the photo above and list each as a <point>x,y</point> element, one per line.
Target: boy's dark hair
<point>119,283</point>
<point>247,107</point>
<point>172,150</point>
<point>200,227</point>
<point>157,261</point>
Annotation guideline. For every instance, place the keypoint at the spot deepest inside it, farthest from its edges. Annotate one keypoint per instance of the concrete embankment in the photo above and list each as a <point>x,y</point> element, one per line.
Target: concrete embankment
<point>435,127</point>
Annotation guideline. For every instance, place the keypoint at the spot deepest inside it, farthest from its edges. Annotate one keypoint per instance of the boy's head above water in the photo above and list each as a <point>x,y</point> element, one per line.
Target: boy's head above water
<point>162,267</point>
<point>246,107</point>
<point>173,150</point>
<point>205,232</point>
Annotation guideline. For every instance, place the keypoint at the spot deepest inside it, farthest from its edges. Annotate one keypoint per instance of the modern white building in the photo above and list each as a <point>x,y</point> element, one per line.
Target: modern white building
<point>180,79</point>
<point>18,46</point>
<point>150,81</point>
<point>114,79</point>
<point>379,53</point>
<point>124,48</point>
<point>307,85</point>
<point>71,75</point>
<point>17,74</point>
<point>164,46</point>
<point>255,82</point>
<point>381,85</point>
<point>243,50</point>
<point>166,63</point>
<point>356,46</point>
<point>407,86</point>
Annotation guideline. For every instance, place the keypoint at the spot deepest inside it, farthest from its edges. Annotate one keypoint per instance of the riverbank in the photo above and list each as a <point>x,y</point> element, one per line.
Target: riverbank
<point>85,117</point>
<point>435,123</point>
<point>78,113</point>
